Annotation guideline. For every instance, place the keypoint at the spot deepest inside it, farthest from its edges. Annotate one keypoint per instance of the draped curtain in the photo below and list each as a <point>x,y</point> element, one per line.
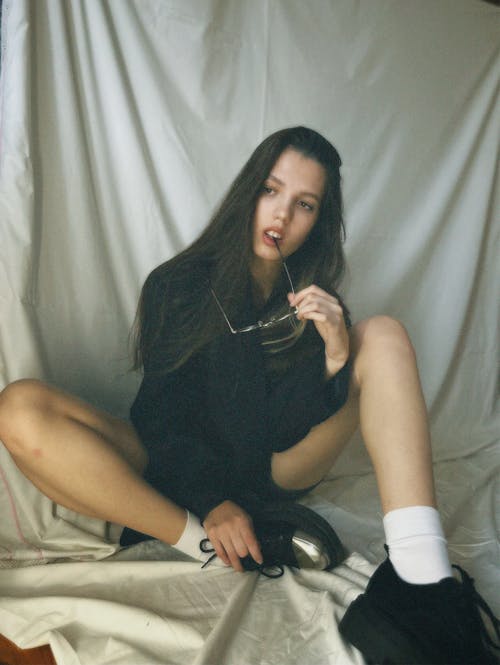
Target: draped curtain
<point>123,122</point>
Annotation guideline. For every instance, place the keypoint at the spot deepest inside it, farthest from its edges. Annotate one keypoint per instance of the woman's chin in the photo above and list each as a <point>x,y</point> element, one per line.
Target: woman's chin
<point>265,252</point>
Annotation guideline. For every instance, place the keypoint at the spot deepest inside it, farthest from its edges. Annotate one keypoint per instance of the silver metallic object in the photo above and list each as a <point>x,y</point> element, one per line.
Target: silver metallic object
<point>309,551</point>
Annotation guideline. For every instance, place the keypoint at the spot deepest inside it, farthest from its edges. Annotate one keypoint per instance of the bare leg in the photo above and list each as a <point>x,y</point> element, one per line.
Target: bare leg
<point>386,398</point>
<point>84,459</point>
<point>306,463</point>
<point>393,415</point>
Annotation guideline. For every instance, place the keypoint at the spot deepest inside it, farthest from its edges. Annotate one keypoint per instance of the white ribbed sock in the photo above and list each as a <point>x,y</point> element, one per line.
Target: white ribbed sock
<point>417,546</point>
<point>190,540</point>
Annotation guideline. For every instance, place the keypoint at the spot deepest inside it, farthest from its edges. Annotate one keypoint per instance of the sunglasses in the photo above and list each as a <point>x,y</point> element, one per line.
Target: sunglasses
<point>273,321</point>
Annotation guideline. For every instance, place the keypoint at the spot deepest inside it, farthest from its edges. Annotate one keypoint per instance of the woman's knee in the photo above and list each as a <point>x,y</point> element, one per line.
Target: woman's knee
<point>20,394</point>
<point>30,410</point>
<point>381,331</point>
<point>20,402</point>
<point>381,338</point>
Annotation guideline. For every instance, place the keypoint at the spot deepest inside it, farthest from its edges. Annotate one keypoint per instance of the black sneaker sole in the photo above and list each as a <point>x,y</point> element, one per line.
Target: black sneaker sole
<point>376,636</point>
<point>300,517</point>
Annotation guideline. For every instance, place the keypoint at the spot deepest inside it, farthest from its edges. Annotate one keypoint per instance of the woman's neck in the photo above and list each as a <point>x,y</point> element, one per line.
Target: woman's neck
<point>264,274</point>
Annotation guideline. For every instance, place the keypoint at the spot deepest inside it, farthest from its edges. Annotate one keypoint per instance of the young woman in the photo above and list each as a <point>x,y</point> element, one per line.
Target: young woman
<point>254,381</point>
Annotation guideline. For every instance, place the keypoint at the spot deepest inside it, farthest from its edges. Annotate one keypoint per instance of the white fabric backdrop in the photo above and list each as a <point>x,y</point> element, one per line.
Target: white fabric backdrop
<point>123,122</point>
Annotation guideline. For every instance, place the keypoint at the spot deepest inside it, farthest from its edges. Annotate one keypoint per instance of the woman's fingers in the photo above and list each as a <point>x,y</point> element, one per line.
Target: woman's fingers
<point>220,551</point>
<point>252,545</point>
<point>233,555</point>
<point>325,310</point>
<point>310,291</point>
<point>231,533</point>
<point>232,547</point>
<point>313,316</point>
<point>319,304</point>
<point>312,301</point>
<point>241,543</point>
<point>224,549</point>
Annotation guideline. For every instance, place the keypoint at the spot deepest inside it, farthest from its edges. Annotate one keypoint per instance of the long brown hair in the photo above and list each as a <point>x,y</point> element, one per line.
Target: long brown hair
<point>177,315</point>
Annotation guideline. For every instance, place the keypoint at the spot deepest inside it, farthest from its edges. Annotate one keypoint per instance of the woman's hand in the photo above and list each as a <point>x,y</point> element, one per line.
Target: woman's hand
<point>231,533</point>
<point>319,306</point>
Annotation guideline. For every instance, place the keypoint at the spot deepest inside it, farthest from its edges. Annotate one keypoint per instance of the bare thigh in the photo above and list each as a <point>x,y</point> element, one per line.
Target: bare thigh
<point>22,401</point>
<point>308,461</point>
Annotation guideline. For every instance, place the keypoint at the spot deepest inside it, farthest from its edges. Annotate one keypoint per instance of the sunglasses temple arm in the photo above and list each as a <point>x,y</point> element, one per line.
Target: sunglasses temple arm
<point>222,311</point>
<point>284,264</point>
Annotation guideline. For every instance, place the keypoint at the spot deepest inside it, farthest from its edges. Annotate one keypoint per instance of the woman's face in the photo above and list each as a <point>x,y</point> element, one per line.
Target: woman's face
<point>287,208</point>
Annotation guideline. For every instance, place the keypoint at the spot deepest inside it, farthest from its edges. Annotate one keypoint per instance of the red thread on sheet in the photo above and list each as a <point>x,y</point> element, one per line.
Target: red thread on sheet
<point>16,517</point>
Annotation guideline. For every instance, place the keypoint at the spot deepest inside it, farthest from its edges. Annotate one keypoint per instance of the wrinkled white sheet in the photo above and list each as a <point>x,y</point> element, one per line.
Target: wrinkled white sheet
<point>159,612</point>
<point>121,124</point>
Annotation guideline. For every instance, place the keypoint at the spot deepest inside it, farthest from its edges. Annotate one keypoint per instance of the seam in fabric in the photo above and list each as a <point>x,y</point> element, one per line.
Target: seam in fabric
<point>6,5</point>
<point>15,516</point>
<point>266,71</point>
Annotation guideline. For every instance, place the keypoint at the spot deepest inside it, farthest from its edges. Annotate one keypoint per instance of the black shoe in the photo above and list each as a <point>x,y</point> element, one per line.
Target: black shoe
<point>293,535</point>
<point>428,624</point>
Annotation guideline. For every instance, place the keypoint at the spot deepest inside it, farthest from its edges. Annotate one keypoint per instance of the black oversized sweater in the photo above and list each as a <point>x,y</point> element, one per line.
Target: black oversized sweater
<point>211,426</point>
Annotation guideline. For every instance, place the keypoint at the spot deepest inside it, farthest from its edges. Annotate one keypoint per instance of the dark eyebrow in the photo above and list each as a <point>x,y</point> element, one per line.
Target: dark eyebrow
<point>280,182</point>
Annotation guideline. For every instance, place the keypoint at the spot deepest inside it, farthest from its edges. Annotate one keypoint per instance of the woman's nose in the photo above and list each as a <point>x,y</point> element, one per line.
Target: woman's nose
<point>282,212</point>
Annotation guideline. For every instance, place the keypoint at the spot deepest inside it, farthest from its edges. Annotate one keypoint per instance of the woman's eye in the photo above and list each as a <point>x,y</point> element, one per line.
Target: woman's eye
<point>267,189</point>
<point>306,206</point>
